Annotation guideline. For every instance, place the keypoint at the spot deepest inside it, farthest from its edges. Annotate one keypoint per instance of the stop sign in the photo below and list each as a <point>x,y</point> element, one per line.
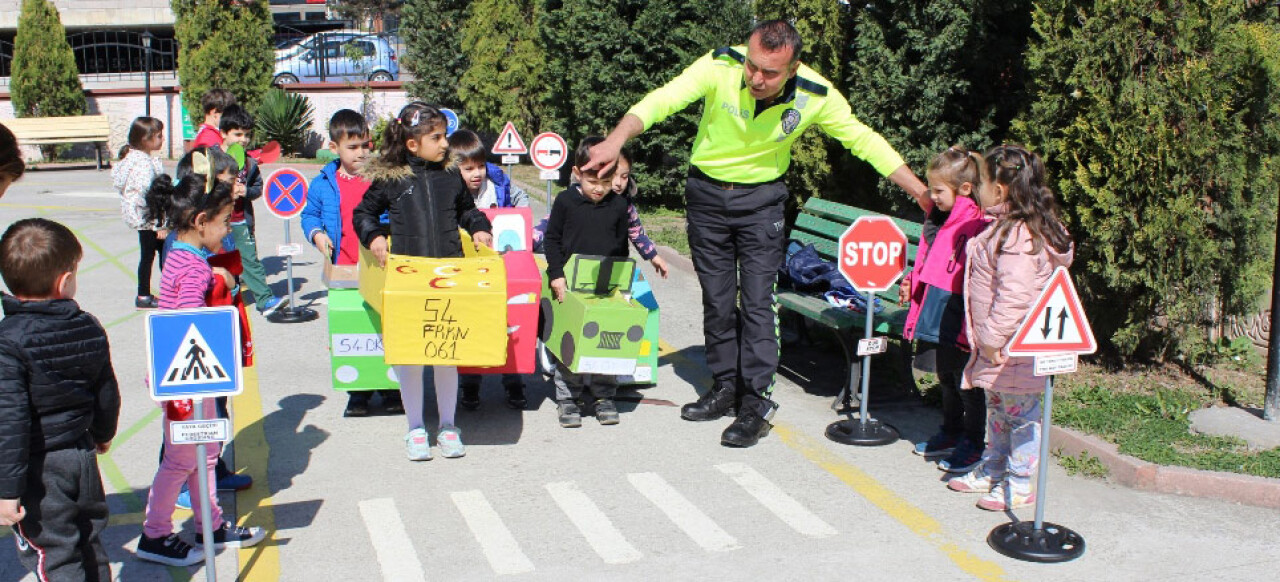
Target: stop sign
<point>873,253</point>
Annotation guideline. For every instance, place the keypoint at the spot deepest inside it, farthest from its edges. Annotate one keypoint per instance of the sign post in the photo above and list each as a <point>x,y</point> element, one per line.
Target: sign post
<point>872,256</point>
<point>510,146</point>
<point>195,354</point>
<point>1055,332</point>
<point>285,192</point>
<point>549,153</point>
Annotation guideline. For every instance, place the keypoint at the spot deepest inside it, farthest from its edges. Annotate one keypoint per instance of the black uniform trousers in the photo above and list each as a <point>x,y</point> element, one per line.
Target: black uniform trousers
<point>737,241</point>
<point>66,513</point>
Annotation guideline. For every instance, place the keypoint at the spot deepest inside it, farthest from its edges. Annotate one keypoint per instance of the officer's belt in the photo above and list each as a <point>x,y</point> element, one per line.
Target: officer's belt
<point>698,174</point>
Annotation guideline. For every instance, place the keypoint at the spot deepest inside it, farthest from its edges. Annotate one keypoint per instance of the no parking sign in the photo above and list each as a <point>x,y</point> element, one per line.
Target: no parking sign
<point>285,193</point>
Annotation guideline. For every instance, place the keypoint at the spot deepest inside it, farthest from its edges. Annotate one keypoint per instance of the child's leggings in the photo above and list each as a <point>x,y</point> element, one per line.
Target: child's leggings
<point>1013,437</point>
<point>411,393</point>
<point>179,466</point>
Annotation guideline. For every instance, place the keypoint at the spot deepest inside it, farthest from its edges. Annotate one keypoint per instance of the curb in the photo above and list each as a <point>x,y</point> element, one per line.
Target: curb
<point>675,259</point>
<point>1145,476</point>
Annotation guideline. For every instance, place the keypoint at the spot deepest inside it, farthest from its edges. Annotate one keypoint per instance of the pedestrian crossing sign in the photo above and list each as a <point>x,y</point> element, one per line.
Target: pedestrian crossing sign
<point>194,353</point>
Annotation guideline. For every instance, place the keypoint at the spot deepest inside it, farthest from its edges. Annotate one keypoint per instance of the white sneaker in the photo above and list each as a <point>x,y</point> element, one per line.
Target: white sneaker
<point>450,440</point>
<point>417,446</point>
<point>975,481</point>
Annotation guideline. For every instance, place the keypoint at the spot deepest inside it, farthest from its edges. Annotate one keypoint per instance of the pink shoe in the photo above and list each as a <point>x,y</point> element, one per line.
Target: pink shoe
<point>1001,498</point>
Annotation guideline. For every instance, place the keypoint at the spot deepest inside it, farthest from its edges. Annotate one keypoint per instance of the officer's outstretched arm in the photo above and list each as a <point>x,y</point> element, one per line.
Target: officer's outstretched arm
<point>605,154</point>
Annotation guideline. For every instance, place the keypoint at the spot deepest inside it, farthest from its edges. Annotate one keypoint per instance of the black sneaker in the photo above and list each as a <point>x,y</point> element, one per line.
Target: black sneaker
<point>966,457</point>
<point>391,402</point>
<point>606,412</point>
<point>470,397</point>
<point>169,550</point>
<point>357,404</point>
<point>515,396</point>
<point>147,302</point>
<point>570,414</point>
<point>231,535</point>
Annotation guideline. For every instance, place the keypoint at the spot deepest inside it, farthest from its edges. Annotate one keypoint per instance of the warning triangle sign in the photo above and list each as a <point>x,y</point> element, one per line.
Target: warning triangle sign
<point>194,362</point>
<point>509,141</point>
<point>1056,323</point>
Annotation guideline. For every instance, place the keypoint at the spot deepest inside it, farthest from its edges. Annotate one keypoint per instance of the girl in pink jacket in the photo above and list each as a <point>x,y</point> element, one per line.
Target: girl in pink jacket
<point>935,319</point>
<point>1008,265</point>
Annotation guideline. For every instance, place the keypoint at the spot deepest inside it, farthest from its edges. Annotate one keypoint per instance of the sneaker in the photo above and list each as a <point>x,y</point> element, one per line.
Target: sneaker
<point>570,416</point>
<point>271,305</point>
<point>184,499</point>
<point>606,412</point>
<point>515,396</point>
<point>470,399</point>
<point>450,441</point>
<point>357,405</point>
<point>966,457</point>
<point>169,550</point>
<point>147,302</point>
<point>1003,498</point>
<point>972,482</point>
<point>231,535</point>
<point>938,445</point>
<point>235,482</point>
<point>417,446</point>
<point>391,402</point>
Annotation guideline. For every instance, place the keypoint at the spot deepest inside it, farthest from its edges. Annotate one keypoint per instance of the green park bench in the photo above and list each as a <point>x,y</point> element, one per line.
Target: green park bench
<point>820,223</point>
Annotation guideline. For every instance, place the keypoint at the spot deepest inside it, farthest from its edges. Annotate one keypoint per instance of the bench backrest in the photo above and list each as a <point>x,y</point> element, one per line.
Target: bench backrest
<point>821,222</point>
<point>45,130</point>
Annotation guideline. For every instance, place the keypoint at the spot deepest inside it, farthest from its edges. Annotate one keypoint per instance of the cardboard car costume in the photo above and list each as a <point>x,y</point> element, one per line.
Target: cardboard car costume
<point>647,359</point>
<point>599,327</point>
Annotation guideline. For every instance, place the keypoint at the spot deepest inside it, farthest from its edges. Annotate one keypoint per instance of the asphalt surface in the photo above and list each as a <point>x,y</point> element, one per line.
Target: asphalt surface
<point>653,498</point>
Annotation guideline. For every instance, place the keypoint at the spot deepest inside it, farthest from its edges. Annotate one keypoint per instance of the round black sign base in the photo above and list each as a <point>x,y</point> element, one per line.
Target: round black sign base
<point>292,315</point>
<point>853,432</point>
<point>1021,541</point>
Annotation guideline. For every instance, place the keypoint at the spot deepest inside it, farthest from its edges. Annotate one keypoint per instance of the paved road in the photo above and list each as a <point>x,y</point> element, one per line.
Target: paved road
<point>654,498</point>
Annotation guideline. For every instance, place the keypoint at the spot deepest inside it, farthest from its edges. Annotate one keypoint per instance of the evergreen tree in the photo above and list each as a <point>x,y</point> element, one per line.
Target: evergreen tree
<point>227,44</point>
<point>930,74</point>
<point>45,81</point>
<point>1161,129</point>
<point>500,41</point>
<point>432,33</point>
<point>604,55</point>
<point>821,24</point>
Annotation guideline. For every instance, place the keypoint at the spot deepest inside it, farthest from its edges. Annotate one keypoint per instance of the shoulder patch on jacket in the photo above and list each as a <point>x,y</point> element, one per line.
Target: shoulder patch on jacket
<point>729,52</point>
<point>816,88</point>
<point>377,169</point>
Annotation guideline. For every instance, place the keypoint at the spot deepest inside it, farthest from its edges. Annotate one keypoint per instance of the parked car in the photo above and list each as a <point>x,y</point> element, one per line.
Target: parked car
<point>327,57</point>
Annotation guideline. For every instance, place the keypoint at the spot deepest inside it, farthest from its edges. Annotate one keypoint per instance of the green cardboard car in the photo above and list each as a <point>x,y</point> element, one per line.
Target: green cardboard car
<point>599,327</point>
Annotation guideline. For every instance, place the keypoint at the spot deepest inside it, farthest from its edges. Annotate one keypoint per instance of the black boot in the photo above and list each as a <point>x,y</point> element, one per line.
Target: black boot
<point>470,396</point>
<point>746,431</point>
<point>716,402</point>
<point>515,393</point>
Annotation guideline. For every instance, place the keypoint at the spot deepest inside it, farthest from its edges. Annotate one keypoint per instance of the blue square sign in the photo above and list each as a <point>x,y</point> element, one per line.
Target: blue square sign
<point>194,353</point>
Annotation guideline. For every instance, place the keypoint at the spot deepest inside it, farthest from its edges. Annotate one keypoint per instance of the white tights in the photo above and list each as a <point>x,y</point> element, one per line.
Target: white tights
<point>411,393</point>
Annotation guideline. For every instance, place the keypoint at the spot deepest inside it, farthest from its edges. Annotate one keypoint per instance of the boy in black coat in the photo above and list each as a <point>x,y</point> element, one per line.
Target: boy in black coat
<point>59,405</point>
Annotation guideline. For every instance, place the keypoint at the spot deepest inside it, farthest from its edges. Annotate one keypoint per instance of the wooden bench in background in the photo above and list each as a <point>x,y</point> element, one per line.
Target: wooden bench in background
<point>56,130</point>
<point>820,223</point>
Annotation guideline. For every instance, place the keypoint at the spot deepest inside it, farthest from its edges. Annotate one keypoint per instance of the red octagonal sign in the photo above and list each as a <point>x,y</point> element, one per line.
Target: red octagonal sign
<point>873,253</point>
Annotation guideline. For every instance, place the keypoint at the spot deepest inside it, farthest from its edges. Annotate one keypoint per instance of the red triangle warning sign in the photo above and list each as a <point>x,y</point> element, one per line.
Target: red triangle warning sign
<point>1056,323</point>
<point>509,141</point>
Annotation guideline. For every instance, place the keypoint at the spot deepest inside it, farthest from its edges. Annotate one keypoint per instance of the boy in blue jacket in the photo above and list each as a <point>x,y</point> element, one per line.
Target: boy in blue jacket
<point>326,220</point>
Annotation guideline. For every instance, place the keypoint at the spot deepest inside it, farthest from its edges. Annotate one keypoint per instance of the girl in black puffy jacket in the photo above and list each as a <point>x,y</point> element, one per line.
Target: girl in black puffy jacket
<point>427,203</point>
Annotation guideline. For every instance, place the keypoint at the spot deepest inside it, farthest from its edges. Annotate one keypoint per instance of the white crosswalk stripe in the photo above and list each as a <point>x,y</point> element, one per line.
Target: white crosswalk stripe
<point>500,547</point>
<point>595,526</point>
<point>691,520</point>
<point>391,542</point>
<point>776,500</point>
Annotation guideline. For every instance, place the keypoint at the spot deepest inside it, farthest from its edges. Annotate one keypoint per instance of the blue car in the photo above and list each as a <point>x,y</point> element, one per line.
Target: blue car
<point>327,58</point>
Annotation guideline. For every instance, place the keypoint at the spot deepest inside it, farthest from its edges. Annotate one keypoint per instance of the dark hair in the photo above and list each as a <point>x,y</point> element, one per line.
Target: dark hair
<point>143,129</point>
<point>345,124</point>
<point>235,117</point>
<point>583,155</point>
<point>776,35</point>
<point>1030,201</point>
<point>415,120</point>
<point>466,146</point>
<point>955,166</point>
<point>176,206</point>
<point>11,164</point>
<point>216,100</point>
<point>34,253</point>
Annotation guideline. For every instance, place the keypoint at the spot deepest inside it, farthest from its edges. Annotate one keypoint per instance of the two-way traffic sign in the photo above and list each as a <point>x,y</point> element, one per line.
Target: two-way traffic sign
<point>549,151</point>
<point>1056,323</point>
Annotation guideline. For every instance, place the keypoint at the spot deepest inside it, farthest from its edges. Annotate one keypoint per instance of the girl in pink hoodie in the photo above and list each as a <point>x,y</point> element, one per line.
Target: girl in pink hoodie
<point>935,319</point>
<point>1008,265</point>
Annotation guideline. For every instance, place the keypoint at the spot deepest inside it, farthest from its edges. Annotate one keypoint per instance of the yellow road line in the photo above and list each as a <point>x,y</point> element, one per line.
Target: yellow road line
<point>46,207</point>
<point>260,563</point>
<point>915,519</point>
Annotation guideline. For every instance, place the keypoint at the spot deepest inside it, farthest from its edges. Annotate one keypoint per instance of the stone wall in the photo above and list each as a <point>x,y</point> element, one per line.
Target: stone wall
<point>97,13</point>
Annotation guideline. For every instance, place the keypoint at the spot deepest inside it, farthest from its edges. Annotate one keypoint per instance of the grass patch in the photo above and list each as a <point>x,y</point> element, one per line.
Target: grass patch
<point>666,228</point>
<point>1086,465</point>
<point>1150,423</point>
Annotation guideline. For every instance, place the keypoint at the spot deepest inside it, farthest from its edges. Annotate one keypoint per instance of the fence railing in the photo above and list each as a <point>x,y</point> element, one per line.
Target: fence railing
<point>108,55</point>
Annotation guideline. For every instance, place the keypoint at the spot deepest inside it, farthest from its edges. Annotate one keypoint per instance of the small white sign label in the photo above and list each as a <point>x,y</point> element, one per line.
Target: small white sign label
<point>549,175</point>
<point>357,344</point>
<point>606,366</point>
<point>1056,364</point>
<point>510,160</point>
<point>194,432</point>
<point>872,346</point>
<point>293,250</point>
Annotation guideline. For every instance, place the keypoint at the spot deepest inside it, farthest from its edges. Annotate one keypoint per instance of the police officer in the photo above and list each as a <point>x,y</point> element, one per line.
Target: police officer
<point>757,100</point>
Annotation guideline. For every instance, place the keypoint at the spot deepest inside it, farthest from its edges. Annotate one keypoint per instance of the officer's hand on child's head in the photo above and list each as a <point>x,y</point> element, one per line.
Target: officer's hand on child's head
<point>559,288</point>
<point>482,238</point>
<point>11,511</point>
